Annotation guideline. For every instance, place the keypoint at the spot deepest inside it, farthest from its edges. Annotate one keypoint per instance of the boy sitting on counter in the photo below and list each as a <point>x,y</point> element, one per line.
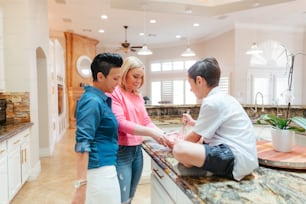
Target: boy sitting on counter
<point>229,147</point>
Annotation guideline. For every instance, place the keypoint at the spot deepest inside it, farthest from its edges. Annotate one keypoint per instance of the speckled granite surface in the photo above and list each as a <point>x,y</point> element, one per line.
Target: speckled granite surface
<point>10,129</point>
<point>264,185</point>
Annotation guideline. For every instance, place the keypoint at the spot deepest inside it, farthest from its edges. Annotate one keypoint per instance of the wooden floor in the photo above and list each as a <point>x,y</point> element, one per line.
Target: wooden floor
<point>55,182</point>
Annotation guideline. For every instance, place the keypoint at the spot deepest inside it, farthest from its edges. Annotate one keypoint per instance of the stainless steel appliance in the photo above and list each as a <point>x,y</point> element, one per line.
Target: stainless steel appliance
<point>2,111</point>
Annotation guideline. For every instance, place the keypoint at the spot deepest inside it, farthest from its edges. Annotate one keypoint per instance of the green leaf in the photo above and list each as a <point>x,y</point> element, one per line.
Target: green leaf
<point>300,121</point>
<point>282,123</point>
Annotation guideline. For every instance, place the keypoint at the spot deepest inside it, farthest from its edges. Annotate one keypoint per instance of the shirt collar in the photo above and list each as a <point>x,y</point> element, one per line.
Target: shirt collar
<point>215,90</point>
<point>97,91</point>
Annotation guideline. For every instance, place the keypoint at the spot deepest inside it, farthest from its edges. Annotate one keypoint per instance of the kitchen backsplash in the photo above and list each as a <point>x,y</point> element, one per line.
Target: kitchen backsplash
<point>174,112</point>
<point>18,106</point>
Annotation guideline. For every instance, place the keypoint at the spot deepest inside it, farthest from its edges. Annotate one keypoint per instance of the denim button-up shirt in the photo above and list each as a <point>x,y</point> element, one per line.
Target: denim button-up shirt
<point>96,128</point>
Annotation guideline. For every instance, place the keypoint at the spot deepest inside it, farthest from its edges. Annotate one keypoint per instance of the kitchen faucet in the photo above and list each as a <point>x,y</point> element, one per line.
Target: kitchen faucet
<point>262,101</point>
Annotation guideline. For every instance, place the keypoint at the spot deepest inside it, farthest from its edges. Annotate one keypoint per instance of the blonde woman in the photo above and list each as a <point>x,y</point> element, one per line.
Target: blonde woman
<point>134,122</point>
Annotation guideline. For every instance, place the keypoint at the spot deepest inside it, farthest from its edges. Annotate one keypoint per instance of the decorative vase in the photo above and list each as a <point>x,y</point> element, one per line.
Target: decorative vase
<point>282,140</point>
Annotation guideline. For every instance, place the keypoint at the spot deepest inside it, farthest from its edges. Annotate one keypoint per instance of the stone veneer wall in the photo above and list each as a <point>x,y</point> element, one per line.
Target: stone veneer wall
<point>18,106</point>
<point>171,112</point>
<point>174,112</point>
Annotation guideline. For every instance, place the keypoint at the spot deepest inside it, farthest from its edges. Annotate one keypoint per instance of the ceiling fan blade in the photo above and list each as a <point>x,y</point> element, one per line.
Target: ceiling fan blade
<point>137,47</point>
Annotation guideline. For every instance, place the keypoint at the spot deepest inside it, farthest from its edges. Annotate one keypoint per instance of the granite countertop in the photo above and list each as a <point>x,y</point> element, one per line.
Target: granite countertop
<point>264,185</point>
<point>10,129</point>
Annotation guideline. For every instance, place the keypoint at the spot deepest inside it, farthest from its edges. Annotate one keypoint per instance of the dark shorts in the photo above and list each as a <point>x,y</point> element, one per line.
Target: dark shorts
<point>219,160</point>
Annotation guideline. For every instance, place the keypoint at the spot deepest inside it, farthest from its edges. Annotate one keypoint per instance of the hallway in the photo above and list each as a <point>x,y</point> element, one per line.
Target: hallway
<point>55,182</point>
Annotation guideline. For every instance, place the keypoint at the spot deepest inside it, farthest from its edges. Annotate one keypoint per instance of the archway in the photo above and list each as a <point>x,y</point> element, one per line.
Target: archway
<point>43,103</point>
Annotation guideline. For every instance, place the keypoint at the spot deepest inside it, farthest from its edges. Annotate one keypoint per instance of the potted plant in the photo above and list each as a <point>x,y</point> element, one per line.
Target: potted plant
<point>283,130</point>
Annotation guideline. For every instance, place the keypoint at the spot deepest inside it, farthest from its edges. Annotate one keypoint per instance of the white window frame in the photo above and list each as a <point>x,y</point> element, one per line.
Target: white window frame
<point>172,74</point>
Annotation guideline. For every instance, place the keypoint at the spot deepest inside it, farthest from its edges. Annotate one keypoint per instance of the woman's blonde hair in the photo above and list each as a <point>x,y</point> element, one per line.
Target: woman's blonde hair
<point>130,63</point>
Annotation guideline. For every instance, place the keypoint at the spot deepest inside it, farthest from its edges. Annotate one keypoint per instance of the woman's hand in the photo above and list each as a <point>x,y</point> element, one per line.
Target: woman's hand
<point>172,138</point>
<point>159,136</point>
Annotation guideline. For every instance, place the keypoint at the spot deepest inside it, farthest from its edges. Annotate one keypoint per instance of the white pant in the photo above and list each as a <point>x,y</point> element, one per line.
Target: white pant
<point>103,186</point>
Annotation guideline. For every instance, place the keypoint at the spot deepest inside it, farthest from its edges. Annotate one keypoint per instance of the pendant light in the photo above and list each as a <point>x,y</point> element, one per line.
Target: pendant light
<point>188,52</point>
<point>254,50</point>
<point>144,50</point>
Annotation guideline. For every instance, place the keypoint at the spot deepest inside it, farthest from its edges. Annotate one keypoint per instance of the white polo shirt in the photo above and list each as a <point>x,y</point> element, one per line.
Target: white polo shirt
<point>222,120</point>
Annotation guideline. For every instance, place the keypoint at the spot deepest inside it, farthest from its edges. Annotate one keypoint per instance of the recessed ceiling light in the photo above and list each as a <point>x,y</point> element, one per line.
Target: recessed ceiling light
<point>141,34</point>
<point>101,31</point>
<point>104,16</point>
<point>152,21</point>
<point>196,25</point>
<point>178,36</point>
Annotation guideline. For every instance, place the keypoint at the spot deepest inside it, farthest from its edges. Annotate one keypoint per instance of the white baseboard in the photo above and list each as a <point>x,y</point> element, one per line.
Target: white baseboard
<point>35,171</point>
<point>44,152</point>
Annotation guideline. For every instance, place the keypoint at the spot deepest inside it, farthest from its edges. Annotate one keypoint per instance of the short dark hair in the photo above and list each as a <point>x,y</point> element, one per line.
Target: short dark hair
<point>208,69</point>
<point>104,62</point>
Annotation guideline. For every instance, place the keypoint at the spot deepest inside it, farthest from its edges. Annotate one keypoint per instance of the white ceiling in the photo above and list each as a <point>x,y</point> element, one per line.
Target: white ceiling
<point>173,17</point>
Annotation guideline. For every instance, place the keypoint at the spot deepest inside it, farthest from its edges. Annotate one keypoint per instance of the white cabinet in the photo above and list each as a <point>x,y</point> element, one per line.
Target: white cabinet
<point>14,165</point>
<point>163,188</point>
<point>158,193</point>
<point>25,156</point>
<point>146,171</point>
<point>3,174</point>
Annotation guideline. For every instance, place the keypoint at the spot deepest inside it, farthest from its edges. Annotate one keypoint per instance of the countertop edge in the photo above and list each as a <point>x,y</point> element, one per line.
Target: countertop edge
<point>175,178</point>
<point>13,130</point>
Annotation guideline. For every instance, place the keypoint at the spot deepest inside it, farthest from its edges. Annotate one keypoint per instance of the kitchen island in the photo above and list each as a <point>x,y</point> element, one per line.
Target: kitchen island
<point>264,185</point>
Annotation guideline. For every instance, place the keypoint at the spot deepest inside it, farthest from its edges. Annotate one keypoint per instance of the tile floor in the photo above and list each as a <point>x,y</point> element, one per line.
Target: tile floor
<point>55,182</point>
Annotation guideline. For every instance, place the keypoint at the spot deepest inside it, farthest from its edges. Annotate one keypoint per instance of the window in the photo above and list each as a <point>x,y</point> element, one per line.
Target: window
<point>269,72</point>
<point>169,83</point>
<point>189,96</point>
<point>171,66</point>
<point>172,91</point>
<point>166,66</point>
<point>178,92</point>
<point>155,67</point>
<point>224,84</point>
<point>155,92</point>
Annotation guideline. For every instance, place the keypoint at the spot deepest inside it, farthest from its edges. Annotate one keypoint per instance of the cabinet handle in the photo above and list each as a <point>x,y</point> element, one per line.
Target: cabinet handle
<point>23,156</point>
<point>16,142</point>
<point>158,174</point>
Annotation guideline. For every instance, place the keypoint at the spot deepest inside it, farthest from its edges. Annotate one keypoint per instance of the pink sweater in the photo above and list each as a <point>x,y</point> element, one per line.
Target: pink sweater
<point>130,110</point>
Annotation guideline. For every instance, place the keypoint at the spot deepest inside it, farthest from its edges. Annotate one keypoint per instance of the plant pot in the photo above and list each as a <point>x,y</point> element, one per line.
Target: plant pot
<point>282,140</point>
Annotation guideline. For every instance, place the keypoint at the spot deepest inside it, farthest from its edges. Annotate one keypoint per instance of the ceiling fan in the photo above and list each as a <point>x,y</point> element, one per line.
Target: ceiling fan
<point>125,46</point>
